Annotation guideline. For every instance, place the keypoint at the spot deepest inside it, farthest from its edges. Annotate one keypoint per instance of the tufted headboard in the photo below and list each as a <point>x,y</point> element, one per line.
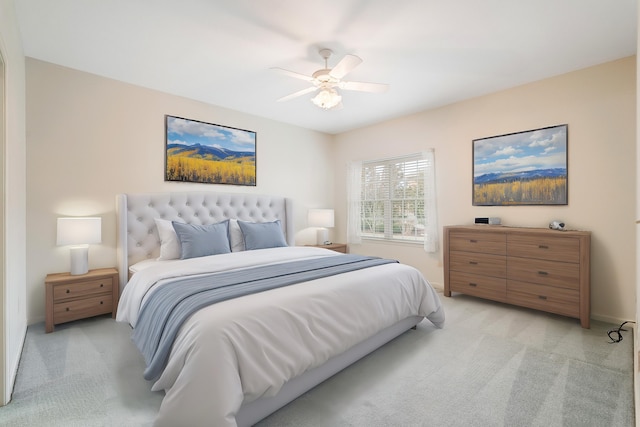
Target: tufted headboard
<point>138,239</point>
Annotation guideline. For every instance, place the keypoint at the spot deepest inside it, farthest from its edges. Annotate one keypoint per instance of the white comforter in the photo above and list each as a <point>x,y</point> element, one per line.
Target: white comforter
<point>240,350</point>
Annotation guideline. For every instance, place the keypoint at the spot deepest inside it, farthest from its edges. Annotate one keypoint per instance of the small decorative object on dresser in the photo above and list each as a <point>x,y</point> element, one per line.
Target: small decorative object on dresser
<point>338,247</point>
<point>73,297</point>
<point>530,267</point>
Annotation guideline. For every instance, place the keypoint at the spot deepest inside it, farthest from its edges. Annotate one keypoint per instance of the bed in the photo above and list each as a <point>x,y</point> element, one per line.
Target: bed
<point>236,361</point>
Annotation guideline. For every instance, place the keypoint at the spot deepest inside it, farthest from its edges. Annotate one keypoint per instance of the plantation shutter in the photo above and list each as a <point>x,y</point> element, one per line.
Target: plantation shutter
<point>397,200</point>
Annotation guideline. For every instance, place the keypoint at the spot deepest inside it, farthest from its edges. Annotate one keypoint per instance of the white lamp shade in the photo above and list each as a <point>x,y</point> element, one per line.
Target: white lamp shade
<point>320,218</point>
<point>79,231</point>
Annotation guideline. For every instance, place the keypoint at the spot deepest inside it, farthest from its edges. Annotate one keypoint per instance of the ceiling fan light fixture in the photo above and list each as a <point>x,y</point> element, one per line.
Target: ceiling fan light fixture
<point>327,99</point>
<point>327,80</point>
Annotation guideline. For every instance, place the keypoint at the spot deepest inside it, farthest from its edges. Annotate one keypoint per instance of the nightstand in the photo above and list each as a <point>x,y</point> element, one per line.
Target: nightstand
<point>71,298</point>
<point>338,247</point>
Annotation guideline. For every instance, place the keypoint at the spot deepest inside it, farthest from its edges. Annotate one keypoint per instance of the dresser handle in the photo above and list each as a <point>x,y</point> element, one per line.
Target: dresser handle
<point>68,291</point>
<point>101,303</point>
<point>102,285</point>
<point>473,262</point>
<point>473,284</point>
<point>543,246</point>
<point>67,308</point>
<point>543,273</point>
<point>542,297</point>
<point>473,241</point>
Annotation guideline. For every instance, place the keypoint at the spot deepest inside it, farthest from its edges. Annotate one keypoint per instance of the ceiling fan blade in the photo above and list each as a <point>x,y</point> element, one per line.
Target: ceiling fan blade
<point>298,93</point>
<point>346,64</point>
<point>364,87</point>
<point>293,74</point>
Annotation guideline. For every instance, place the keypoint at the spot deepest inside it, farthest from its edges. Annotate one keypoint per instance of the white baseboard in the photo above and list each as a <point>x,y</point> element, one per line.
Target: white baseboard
<point>636,371</point>
<point>609,319</point>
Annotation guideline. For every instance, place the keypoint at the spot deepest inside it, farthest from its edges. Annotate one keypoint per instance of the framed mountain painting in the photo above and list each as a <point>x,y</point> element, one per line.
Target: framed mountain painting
<point>207,153</point>
<point>522,168</point>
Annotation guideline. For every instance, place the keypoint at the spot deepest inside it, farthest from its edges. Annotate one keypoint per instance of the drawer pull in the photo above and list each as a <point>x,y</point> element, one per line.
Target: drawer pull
<point>101,303</point>
<point>542,297</point>
<point>543,273</point>
<point>67,308</point>
<point>68,291</point>
<point>543,246</point>
<point>473,284</point>
<point>473,262</point>
<point>473,241</point>
<point>102,285</point>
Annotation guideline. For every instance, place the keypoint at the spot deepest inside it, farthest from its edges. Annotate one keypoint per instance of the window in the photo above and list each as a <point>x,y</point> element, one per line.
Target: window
<point>393,199</point>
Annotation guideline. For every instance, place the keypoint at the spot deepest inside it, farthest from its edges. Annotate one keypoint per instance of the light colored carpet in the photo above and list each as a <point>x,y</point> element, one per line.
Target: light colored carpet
<point>492,365</point>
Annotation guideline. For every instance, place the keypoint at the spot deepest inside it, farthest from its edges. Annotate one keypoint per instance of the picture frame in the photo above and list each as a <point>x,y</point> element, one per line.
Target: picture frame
<point>521,168</point>
<point>208,153</point>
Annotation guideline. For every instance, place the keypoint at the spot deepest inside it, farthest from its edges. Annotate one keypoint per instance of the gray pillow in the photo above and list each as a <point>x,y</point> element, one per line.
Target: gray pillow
<point>202,240</point>
<point>262,235</point>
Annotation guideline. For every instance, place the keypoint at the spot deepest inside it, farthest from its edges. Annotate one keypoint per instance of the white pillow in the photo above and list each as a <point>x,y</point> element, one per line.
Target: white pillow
<point>236,239</point>
<point>146,263</point>
<point>169,242</point>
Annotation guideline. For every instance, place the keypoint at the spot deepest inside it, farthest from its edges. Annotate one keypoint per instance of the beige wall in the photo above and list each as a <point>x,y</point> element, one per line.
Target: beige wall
<point>90,138</point>
<point>13,296</point>
<point>597,103</point>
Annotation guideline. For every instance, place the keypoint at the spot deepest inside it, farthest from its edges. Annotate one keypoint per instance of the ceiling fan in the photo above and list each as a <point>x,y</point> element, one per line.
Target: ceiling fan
<point>329,80</point>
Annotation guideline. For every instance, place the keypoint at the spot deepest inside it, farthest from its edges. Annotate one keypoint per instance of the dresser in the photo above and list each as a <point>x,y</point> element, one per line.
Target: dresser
<point>70,297</point>
<point>543,269</point>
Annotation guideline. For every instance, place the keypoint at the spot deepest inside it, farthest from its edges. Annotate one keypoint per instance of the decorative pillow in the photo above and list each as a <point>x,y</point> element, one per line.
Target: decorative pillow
<point>235,236</point>
<point>262,235</point>
<point>169,242</point>
<point>202,240</point>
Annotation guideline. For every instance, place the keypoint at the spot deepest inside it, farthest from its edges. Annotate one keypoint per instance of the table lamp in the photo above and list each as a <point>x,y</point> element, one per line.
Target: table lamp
<point>79,233</point>
<point>321,218</point>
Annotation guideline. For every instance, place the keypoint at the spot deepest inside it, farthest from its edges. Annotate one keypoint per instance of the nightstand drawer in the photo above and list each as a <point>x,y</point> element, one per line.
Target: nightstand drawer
<point>82,308</point>
<point>82,289</point>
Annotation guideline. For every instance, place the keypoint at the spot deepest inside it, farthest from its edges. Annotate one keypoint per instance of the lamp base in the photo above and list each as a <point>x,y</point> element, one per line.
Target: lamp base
<point>79,260</point>
<point>322,236</point>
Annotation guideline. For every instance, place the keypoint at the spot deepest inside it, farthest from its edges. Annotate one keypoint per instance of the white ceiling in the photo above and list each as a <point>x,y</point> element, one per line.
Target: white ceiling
<point>430,52</point>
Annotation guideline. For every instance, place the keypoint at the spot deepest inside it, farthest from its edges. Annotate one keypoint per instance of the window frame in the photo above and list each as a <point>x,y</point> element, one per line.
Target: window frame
<point>394,188</point>
<point>354,195</point>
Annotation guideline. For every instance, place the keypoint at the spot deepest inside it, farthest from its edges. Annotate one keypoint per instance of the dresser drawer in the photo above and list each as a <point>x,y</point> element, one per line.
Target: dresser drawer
<point>82,289</point>
<point>477,263</point>
<point>480,286</point>
<point>550,273</point>
<point>554,300</point>
<point>544,247</point>
<point>486,243</point>
<point>82,308</point>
